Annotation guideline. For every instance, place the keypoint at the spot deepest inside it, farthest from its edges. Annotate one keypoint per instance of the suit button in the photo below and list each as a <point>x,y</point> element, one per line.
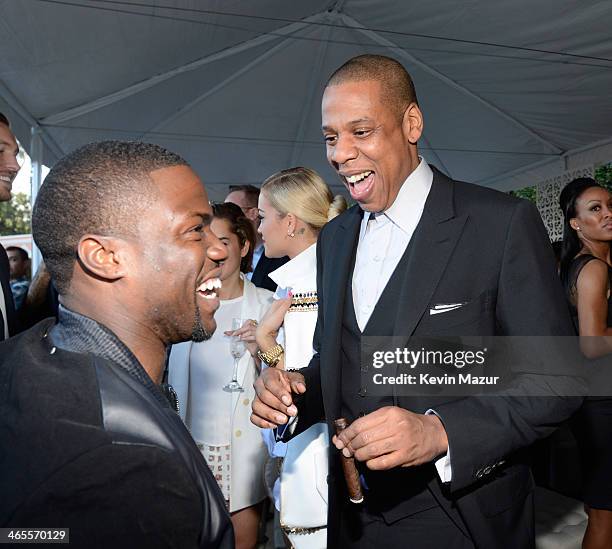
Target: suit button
<point>362,392</point>
<point>364,367</point>
<point>245,402</point>
<point>238,433</point>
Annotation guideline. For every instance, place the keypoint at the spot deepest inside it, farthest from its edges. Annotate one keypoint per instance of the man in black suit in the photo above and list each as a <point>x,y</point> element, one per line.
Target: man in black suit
<point>246,196</point>
<point>91,440</point>
<point>9,167</point>
<point>421,255</point>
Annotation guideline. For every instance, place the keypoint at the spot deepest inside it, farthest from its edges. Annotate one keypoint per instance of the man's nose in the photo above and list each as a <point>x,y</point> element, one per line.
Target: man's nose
<point>11,164</point>
<point>343,151</point>
<point>215,251</point>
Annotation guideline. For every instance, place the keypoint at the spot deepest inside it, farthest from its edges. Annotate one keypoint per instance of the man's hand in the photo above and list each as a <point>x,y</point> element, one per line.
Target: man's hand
<point>393,437</point>
<point>274,403</point>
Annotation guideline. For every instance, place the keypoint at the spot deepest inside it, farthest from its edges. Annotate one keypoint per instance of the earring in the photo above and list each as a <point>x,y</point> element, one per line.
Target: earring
<point>577,228</point>
<point>291,234</point>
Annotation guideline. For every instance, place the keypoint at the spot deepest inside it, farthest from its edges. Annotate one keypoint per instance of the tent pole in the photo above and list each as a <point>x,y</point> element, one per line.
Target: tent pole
<point>36,153</point>
<point>15,104</point>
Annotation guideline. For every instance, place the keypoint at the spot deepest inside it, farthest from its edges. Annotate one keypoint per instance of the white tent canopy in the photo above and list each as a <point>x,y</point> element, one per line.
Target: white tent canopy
<point>513,93</point>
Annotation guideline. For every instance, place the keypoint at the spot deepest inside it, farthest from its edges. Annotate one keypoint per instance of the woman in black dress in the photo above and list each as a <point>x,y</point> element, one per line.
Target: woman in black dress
<point>586,273</point>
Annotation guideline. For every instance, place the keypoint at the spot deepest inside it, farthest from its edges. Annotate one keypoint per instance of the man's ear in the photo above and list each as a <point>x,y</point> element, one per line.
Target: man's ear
<point>412,123</point>
<point>103,256</point>
<point>252,213</point>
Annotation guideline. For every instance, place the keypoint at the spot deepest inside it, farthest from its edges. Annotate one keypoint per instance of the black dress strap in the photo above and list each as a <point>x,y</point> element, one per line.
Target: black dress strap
<point>576,267</point>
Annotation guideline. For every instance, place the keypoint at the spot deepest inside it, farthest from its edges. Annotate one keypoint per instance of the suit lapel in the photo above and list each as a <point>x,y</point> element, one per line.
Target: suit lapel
<point>336,276</point>
<point>432,244</point>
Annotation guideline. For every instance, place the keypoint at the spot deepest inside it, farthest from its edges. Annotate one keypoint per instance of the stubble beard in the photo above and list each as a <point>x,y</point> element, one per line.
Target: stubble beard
<point>199,333</point>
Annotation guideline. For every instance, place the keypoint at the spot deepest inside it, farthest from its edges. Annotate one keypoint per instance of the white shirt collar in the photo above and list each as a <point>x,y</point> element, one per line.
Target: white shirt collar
<point>410,200</point>
<point>299,272</point>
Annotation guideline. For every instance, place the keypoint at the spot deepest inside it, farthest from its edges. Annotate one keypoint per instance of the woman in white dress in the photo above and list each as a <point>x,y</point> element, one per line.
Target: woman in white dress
<point>219,419</point>
<point>294,204</point>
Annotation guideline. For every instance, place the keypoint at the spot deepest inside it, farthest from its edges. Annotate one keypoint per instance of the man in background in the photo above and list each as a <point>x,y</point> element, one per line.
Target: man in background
<point>9,167</point>
<point>19,263</point>
<point>246,196</point>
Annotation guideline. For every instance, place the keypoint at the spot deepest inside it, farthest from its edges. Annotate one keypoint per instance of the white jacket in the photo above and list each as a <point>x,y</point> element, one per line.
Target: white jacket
<point>248,452</point>
<point>303,483</point>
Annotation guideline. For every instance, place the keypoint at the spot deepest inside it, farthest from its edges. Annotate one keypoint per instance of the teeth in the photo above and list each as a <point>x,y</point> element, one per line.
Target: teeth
<point>210,284</point>
<point>357,177</point>
<point>5,178</point>
<point>211,295</point>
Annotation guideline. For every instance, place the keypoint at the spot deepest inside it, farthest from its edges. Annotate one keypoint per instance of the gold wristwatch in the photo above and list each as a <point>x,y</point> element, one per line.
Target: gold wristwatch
<point>272,356</point>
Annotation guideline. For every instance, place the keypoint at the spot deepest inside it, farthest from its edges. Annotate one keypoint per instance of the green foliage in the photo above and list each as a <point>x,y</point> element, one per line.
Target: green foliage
<point>16,215</point>
<point>528,193</point>
<point>603,175</point>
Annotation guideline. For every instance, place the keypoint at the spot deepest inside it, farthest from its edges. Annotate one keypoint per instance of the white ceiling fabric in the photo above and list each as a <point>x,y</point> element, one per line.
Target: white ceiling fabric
<point>512,93</point>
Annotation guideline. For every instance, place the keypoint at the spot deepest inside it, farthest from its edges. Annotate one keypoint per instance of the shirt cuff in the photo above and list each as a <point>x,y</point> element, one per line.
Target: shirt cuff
<point>443,464</point>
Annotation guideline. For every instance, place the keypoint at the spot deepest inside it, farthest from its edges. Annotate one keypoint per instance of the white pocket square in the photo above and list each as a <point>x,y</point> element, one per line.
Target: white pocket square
<point>445,308</point>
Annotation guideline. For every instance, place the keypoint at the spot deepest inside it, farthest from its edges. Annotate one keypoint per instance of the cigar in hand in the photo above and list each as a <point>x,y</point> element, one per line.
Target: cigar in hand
<point>351,475</point>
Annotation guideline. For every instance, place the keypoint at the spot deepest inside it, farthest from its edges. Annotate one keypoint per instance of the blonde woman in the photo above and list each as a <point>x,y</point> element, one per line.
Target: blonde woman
<point>294,204</point>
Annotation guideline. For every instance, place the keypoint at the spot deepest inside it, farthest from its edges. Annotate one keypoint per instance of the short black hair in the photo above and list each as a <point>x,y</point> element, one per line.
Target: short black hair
<point>24,255</point>
<point>241,227</point>
<point>250,191</point>
<point>4,120</point>
<point>396,83</point>
<point>101,188</point>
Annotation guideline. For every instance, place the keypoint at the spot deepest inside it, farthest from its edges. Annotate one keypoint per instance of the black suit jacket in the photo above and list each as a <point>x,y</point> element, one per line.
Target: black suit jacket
<point>477,246</point>
<point>8,295</point>
<point>264,266</point>
<point>87,446</point>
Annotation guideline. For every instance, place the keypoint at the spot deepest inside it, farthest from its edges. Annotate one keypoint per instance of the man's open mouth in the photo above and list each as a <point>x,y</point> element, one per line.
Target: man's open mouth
<point>208,288</point>
<point>360,184</point>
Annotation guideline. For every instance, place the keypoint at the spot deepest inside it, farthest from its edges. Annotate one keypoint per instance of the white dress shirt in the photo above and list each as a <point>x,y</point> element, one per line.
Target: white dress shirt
<point>383,239</point>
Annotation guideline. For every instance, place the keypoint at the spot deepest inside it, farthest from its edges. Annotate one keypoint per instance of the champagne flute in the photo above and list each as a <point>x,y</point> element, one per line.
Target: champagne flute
<point>237,349</point>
